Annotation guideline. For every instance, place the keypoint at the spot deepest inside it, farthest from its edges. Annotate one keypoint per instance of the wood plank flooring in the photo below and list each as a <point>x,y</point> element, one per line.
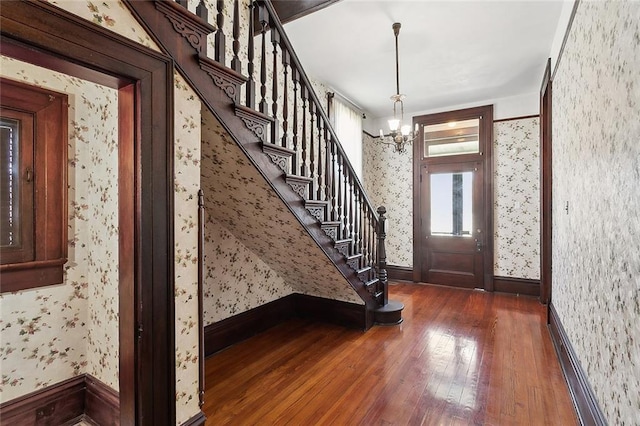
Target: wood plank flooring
<point>461,357</point>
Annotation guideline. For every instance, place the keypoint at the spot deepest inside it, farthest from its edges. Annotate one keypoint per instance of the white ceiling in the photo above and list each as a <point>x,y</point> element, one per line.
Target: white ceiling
<point>451,52</point>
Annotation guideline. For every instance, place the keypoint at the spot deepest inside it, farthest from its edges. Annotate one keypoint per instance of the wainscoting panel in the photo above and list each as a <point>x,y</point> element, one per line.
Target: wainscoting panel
<point>582,395</point>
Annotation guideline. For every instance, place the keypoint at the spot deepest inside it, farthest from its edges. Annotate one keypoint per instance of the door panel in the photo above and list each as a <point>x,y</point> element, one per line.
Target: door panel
<point>452,221</point>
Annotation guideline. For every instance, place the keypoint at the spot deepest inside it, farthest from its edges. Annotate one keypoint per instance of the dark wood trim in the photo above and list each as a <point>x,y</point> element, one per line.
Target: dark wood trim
<point>197,420</point>
<point>584,400</point>
<point>56,404</point>
<point>81,397</point>
<point>237,328</point>
<point>102,404</point>
<point>400,273</point>
<point>369,134</point>
<point>524,286</point>
<point>486,157</point>
<point>566,37</point>
<point>546,187</point>
<point>522,117</point>
<point>346,314</point>
<point>45,35</point>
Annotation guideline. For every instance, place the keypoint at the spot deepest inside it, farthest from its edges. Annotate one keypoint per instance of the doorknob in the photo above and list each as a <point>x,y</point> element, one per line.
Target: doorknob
<point>478,245</point>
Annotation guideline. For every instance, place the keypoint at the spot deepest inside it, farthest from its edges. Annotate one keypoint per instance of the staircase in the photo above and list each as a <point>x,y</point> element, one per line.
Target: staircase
<point>277,120</point>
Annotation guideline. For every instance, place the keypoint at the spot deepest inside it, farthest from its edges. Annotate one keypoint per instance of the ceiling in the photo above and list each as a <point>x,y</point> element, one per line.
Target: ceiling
<point>451,52</point>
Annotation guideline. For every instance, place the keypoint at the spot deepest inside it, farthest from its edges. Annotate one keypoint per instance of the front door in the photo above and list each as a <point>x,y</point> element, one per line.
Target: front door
<point>452,224</point>
<point>453,221</point>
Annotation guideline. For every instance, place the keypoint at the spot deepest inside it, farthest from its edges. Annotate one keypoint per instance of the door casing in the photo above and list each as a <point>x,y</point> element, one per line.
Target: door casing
<point>485,113</point>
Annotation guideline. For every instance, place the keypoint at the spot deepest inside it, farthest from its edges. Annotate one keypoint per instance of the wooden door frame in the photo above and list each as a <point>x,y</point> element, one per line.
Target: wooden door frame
<point>47,36</point>
<point>545,186</point>
<point>486,130</point>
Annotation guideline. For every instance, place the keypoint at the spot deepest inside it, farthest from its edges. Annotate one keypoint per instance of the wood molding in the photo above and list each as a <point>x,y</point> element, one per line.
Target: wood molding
<point>522,117</point>
<point>546,186</point>
<point>56,404</point>
<point>197,420</point>
<point>81,397</point>
<point>584,400</point>
<point>400,273</point>
<point>102,404</point>
<point>291,10</point>
<point>524,286</point>
<point>229,331</point>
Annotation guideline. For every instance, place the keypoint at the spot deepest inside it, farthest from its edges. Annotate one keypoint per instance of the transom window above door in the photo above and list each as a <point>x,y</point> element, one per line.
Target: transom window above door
<point>452,138</point>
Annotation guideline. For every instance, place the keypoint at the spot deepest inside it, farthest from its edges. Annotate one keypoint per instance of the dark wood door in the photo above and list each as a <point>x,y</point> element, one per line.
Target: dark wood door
<point>452,216</point>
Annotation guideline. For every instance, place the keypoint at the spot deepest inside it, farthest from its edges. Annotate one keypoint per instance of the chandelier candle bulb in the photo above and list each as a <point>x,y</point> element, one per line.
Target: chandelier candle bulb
<point>400,133</point>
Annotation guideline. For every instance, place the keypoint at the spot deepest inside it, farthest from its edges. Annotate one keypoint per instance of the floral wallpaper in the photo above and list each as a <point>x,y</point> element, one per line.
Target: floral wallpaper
<point>388,179</point>
<point>516,214</point>
<point>57,332</point>
<point>239,198</point>
<point>596,226</point>
<point>186,185</point>
<point>236,279</point>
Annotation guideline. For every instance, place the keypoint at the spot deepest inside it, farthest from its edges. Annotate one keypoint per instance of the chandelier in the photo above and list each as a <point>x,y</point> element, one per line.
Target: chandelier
<point>400,134</point>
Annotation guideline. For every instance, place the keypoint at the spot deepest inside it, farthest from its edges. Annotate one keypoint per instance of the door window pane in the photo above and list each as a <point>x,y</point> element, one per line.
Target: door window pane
<point>9,183</point>
<point>451,204</point>
<point>453,138</point>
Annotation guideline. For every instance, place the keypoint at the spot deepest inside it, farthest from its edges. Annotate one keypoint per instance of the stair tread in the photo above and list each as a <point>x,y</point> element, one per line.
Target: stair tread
<point>331,223</point>
<point>177,11</point>
<point>271,147</point>
<point>242,110</point>
<point>346,241</point>
<point>208,64</point>
<point>315,203</point>
<point>296,178</point>
<point>371,282</point>
<point>354,256</point>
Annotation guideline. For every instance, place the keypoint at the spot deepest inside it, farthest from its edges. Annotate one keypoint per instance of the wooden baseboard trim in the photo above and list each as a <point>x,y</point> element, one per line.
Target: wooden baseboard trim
<point>102,404</point>
<point>80,398</point>
<point>346,314</point>
<point>225,333</point>
<point>400,273</point>
<point>582,395</point>
<point>197,420</point>
<point>517,286</point>
<point>229,331</point>
<point>55,405</point>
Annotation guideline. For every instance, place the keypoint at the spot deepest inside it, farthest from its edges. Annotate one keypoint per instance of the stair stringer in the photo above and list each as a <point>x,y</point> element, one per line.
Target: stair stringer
<point>218,102</point>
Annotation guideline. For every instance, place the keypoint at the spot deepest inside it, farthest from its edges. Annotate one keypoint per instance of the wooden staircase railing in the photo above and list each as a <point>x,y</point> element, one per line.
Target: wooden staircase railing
<point>289,120</point>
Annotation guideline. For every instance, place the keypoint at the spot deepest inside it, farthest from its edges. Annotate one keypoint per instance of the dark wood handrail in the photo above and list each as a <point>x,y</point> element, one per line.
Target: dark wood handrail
<point>286,44</point>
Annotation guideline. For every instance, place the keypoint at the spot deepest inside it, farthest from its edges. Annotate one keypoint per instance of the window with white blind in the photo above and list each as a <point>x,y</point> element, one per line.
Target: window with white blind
<point>347,122</point>
<point>33,192</point>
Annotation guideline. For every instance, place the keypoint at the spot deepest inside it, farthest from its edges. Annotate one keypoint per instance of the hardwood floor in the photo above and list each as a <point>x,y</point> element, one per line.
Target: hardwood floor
<point>460,357</point>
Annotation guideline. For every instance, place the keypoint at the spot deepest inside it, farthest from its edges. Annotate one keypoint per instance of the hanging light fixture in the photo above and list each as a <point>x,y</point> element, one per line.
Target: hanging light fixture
<point>400,134</point>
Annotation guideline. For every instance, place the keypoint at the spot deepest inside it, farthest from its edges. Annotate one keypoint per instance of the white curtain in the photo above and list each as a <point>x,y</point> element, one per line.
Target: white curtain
<point>347,123</point>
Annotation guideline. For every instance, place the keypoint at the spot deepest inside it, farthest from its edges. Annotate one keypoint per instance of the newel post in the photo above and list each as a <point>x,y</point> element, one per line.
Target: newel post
<point>382,255</point>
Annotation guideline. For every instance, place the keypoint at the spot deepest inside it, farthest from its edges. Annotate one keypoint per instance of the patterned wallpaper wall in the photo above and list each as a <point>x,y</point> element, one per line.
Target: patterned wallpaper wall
<point>516,214</point>
<point>57,332</point>
<point>596,170</point>
<point>388,179</point>
<point>236,279</point>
